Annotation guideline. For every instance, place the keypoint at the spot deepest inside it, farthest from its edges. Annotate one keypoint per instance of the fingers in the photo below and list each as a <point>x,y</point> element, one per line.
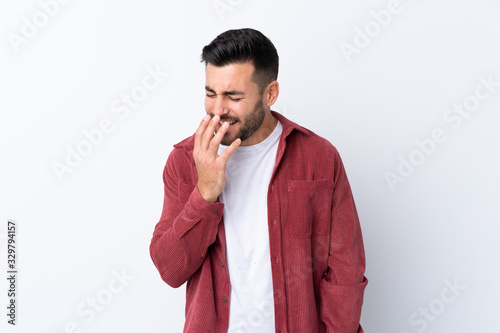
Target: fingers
<point>209,132</point>
<point>206,141</point>
<point>226,154</point>
<point>214,144</point>
<point>199,132</point>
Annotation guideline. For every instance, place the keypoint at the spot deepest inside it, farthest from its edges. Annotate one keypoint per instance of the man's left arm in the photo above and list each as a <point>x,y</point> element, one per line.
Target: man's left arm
<point>342,288</point>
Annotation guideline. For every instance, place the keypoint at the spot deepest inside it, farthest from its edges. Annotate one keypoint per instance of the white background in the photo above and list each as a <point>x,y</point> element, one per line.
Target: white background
<point>438,227</point>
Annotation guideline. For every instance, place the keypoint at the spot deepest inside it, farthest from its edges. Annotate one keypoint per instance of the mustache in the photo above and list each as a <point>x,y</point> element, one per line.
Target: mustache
<point>224,118</point>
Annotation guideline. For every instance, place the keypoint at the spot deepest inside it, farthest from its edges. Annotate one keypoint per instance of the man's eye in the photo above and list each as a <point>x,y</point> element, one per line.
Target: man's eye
<point>208,95</point>
<point>234,98</point>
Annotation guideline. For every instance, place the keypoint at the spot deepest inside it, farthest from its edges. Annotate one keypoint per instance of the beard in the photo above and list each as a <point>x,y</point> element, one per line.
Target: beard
<point>248,126</point>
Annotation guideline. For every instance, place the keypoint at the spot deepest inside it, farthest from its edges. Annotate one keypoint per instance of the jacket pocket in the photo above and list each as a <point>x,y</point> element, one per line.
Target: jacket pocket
<point>308,207</point>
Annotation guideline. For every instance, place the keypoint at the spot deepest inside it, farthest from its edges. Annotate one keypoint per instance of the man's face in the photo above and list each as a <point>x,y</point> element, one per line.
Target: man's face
<point>233,96</point>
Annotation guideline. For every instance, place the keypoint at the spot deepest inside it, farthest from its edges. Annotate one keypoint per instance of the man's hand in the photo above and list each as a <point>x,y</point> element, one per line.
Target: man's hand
<point>210,166</point>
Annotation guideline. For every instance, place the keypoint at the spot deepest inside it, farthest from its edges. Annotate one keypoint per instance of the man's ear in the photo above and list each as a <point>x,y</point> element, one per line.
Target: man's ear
<point>271,93</point>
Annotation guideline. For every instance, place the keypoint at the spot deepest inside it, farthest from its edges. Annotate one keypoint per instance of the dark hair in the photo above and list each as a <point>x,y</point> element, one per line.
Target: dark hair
<point>242,45</point>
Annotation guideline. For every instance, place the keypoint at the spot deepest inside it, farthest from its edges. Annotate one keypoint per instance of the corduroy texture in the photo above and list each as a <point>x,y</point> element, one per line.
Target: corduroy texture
<point>316,246</point>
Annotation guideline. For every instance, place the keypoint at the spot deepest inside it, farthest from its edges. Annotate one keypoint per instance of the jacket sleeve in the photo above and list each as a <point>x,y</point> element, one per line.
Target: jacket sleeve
<point>342,288</point>
<point>188,224</point>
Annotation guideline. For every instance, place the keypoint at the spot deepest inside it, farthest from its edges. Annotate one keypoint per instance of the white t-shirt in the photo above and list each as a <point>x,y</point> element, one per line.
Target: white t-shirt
<point>248,173</point>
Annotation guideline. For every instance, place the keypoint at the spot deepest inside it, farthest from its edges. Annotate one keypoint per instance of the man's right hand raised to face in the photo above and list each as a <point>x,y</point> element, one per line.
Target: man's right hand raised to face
<point>210,166</point>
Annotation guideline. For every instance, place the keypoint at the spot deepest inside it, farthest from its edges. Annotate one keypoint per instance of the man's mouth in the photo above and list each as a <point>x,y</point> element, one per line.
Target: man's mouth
<point>226,121</point>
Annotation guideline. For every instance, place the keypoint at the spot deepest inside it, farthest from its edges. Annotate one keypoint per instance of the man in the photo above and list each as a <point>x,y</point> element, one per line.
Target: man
<point>258,215</point>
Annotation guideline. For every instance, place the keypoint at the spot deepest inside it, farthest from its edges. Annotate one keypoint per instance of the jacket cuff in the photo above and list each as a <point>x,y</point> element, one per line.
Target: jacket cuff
<point>197,209</point>
<point>341,306</point>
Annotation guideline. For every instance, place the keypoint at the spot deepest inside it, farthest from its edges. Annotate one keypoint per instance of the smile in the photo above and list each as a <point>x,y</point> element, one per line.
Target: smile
<point>230,123</point>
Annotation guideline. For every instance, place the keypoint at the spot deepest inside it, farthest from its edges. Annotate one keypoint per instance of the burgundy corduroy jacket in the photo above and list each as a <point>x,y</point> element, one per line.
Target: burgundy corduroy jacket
<point>316,246</point>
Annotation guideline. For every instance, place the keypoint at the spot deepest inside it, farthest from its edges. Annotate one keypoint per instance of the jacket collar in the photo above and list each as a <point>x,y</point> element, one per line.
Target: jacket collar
<point>288,127</point>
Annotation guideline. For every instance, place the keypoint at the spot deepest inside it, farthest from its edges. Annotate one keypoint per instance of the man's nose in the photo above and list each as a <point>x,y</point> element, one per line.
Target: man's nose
<point>220,107</point>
